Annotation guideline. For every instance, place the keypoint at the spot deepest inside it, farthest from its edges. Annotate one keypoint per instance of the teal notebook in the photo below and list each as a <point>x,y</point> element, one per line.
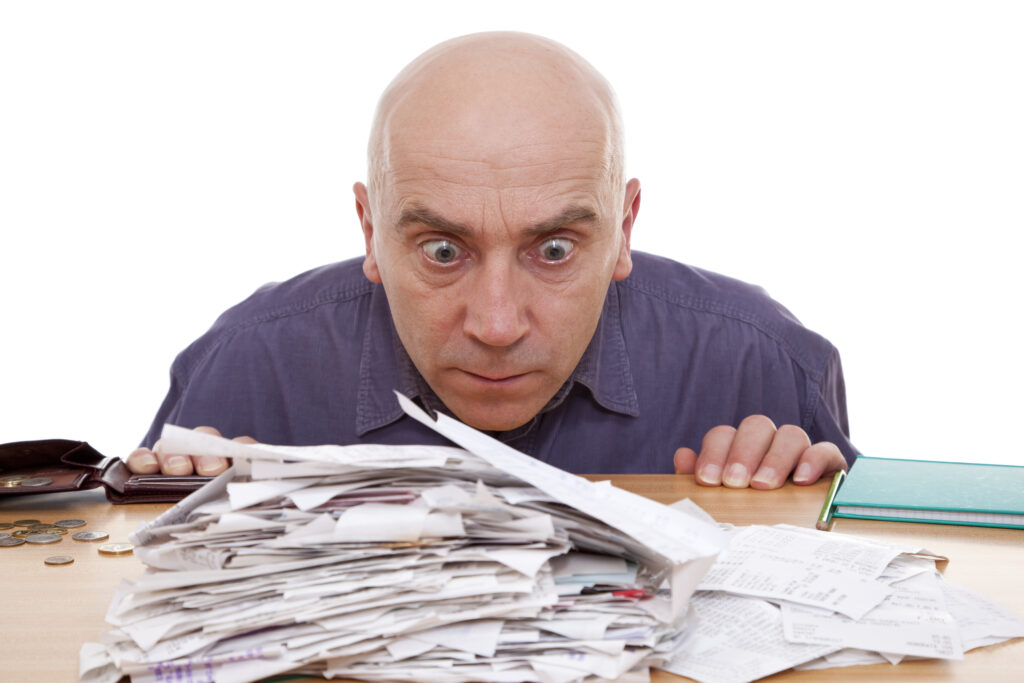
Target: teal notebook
<point>933,492</point>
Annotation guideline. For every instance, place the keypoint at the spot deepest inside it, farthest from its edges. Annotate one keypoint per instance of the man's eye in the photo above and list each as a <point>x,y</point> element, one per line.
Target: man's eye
<point>556,249</point>
<point>441,251</point>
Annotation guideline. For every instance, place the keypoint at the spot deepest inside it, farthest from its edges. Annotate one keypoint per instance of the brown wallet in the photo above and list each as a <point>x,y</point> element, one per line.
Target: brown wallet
<point>54,465</point>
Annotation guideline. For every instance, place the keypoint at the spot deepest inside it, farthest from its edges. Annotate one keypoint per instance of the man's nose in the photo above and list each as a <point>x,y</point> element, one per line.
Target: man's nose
<point>497,305</point>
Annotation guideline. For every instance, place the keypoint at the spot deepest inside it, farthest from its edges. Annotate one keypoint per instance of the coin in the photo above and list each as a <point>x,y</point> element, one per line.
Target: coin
<point>25,522</point>
<point>37,481</point>
<point>70,523</point>
<point>115,548</point>
<point>10,542</point>
<point>9,484</point>
<point>59,559</point>
<point>4,534</point>
<point>14,479</point>
<point>43,538</point>
<point>41,525</point>
<point>90,535</point>
<point>6,525</point>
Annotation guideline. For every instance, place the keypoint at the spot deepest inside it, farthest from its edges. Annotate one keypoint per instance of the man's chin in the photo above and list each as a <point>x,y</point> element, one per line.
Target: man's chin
<point>495,416</point>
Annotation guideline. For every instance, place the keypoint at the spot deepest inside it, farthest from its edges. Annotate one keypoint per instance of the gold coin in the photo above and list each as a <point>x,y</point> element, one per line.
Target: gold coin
<point>14,479</point>
<point>25,522</point>
<point>9,484</point>
<point>41,525</point>
<point>6,525</point>
<point>116,548</point>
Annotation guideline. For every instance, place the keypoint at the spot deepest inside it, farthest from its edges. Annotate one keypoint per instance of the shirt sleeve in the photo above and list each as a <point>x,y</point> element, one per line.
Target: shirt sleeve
<point>830,421</point>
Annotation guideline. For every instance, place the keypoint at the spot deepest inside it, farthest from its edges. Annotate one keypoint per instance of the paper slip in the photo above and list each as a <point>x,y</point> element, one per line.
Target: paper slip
<point>370,564</point>
<point>912,620</point>
<point>826,570</point>
<point>734,640</point>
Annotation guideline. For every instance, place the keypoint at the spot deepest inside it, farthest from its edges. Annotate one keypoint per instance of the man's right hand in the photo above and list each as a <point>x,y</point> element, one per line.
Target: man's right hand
<point>146,461</point>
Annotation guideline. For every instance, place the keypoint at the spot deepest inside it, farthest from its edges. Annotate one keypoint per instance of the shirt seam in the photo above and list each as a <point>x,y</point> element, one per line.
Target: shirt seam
<point>341,296</point>
<point>733,313</point>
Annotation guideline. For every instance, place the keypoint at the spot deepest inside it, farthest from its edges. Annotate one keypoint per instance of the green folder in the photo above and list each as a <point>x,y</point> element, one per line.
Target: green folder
<point>933,492</point>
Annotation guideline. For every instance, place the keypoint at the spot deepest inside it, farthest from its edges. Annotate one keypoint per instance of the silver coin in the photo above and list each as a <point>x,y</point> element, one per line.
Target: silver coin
<point>43,538</point>
<point>5,534</point>
<point>37,481</point>
<point>90,535</point>
<point>70,523</point>
<point>10,542</point>
<point>59,559</point>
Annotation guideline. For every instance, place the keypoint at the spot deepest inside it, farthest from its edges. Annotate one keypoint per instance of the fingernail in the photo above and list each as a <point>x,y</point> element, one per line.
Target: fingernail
<point>177,465</point>
<point>766,476</point>
<point>736,476</point>
<point>803,473</point>
<point>711,474</point>
<point>147,461</point>
<point>208,464</point>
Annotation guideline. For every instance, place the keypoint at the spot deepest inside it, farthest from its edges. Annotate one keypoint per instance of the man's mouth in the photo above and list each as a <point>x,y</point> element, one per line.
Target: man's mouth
<point>494,378</point>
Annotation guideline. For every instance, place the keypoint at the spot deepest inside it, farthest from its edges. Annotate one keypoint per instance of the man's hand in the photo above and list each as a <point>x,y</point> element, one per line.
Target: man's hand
<point>145,461</point>
<point>758,455</point>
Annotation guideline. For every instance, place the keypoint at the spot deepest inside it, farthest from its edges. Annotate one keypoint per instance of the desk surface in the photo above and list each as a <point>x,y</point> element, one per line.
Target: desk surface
<point>49,611</point>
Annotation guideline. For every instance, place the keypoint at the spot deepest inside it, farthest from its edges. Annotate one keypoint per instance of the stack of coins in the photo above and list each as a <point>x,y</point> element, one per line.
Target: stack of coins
<point>36,532</point>
<point>12,480</point>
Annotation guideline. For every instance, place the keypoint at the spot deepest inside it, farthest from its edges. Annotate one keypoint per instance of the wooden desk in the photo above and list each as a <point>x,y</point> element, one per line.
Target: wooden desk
<point>48,612</point>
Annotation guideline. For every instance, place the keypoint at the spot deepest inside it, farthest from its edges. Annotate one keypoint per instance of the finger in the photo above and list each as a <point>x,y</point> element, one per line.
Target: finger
<point>789,444</point>
<point>211,465</point>
<point>174,464</point>
<point>142,461</point>
<point>821,458</point>
<point>685,460</point>
<point>753,439</point>
<point>714,449</point>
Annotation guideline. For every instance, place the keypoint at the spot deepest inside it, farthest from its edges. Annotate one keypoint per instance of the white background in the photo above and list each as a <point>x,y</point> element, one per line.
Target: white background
<point>863,161</point>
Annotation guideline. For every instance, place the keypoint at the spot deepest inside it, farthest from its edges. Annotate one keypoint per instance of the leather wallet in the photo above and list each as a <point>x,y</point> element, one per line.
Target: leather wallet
<point>54,465</point>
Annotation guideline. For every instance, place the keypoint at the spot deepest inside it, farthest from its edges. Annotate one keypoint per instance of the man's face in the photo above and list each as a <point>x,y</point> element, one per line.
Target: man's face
<point>496,264</point>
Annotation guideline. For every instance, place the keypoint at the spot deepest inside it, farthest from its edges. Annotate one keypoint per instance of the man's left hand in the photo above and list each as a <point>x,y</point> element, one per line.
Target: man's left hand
<point>758,455</point>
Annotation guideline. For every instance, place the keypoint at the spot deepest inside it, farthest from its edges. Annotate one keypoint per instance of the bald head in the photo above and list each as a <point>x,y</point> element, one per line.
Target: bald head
<point>495,217</point>
<point>496,99</point>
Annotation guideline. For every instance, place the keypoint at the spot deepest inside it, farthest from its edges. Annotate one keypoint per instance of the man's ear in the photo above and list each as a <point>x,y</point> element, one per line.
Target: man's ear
<point>624,263</point>
<point>370,268</point>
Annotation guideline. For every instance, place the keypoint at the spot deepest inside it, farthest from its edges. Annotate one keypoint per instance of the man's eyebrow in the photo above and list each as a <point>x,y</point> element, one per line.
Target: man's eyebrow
<point>569,215</point>
<point>424,216</point>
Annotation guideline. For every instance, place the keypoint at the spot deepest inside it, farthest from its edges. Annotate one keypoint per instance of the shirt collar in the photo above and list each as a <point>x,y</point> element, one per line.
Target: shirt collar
<point>385,367</point>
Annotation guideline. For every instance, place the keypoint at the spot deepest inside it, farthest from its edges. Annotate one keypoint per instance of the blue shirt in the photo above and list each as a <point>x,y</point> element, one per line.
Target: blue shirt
<point>678,350</point>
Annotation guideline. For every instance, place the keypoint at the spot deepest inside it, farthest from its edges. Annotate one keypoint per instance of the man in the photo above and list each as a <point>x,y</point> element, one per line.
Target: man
<point>500,287</point>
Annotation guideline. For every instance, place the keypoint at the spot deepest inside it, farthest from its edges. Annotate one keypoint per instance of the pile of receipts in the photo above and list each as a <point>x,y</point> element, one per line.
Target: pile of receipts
<point>402,563</point>
<point>386,563</point>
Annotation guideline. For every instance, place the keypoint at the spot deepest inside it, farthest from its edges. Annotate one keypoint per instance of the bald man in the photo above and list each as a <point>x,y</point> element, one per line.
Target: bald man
<point>499,287</point>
